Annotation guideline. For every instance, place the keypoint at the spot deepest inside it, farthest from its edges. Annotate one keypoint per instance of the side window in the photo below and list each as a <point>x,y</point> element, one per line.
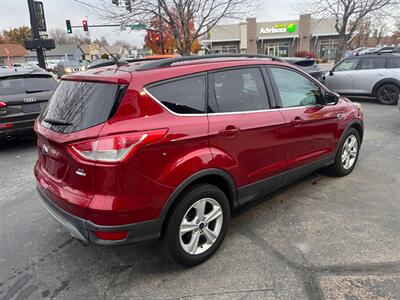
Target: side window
<point>184,96</point>
<point>240,90</point>
<point>393,63</point>
<point>295,89</point>
<point>372,63</point>
<point>346,65</point>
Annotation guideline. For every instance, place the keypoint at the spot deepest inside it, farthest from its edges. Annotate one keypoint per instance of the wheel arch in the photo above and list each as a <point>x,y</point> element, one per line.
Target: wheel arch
<point>217,177</point>
<point>385,81</point>
<point>357,125</point>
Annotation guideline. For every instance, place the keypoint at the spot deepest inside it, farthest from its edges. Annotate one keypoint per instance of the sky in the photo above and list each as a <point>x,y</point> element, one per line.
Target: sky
<point>14,13</point>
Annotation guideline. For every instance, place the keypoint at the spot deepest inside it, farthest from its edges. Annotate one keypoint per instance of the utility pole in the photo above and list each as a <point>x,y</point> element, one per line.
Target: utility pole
<point>35,33</point>
<point>161,29</point>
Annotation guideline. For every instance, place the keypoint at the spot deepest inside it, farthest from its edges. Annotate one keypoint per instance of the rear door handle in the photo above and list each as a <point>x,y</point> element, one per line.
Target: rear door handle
<point>229,131</point>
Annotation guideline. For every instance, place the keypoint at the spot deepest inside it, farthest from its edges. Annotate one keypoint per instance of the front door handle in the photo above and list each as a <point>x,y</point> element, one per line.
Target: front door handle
<point>297,121</point>
<point>229,131</point>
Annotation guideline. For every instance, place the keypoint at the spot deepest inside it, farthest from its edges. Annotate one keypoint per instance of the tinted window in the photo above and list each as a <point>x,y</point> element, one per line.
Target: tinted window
<point>296,90</point>
<point>346,65</point>
<point>240,90</point>
<point>26,84</point>
<point>184,96</point>
<point>393,62</point>
<point>83,104</point>
<point>372,63</point>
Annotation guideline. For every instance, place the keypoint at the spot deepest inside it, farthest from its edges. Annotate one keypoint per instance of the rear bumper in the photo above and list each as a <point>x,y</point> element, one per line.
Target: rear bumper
<point>83,230</point>
<point>19,128</point>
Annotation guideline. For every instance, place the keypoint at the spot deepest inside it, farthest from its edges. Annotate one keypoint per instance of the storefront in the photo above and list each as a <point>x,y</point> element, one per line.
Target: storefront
<point>282,39</point>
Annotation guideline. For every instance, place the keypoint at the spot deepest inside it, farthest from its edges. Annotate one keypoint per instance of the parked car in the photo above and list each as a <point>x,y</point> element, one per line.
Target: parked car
<point>67,67</point>
<point>23,94</point>
<point>375,76</point>
<point>308,65</point>
<point>169,148</point>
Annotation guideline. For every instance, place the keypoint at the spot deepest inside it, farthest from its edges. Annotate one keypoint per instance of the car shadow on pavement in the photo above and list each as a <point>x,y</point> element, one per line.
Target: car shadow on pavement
<point>17,143</point>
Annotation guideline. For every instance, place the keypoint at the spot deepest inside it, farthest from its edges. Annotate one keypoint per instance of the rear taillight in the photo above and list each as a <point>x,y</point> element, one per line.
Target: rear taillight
<point>116,148</point>
<point>2,104</point>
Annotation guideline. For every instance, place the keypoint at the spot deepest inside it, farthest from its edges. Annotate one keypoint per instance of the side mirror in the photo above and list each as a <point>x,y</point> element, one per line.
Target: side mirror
<point>330,72</point>
<point>331,98</point>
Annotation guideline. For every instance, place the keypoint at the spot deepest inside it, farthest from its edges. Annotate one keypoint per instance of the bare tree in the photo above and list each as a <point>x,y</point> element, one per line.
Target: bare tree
<point>188,19</point>
<point>348,15</point>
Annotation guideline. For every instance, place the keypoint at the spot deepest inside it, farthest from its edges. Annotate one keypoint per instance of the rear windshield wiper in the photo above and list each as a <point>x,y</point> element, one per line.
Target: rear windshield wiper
<point>57,122</point>
<point>35,91</point>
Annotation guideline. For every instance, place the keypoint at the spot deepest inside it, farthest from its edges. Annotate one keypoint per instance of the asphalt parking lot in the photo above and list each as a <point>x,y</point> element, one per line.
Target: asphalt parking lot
<point>320,238</point>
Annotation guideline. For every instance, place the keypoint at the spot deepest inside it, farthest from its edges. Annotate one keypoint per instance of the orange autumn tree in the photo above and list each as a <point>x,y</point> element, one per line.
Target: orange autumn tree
<point>153,39</point>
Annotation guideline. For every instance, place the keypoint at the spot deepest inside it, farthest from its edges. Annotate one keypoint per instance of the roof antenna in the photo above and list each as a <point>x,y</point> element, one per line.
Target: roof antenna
<point>117,62</point>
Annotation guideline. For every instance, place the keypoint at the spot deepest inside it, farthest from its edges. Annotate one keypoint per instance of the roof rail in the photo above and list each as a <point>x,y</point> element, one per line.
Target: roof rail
<point>169,61</point>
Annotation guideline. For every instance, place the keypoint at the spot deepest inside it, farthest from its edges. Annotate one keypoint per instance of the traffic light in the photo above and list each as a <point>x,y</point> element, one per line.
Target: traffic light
<point>69,27</point>
<point>128,5</point>
<point>115,2</point>
<point>85,25</point>
<point>157,38</point>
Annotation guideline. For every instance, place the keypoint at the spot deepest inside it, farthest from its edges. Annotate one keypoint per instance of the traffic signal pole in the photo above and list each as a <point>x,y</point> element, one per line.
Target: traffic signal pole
<point>35,33</point>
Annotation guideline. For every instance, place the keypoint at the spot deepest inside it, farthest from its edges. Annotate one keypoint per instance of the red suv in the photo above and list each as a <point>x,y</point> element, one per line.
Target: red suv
<point>169,148</point>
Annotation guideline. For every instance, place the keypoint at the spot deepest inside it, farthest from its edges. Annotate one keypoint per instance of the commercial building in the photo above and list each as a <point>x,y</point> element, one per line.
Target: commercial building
<point>282,38</point>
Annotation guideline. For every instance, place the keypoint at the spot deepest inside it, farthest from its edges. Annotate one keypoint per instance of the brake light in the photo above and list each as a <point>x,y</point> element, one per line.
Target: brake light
<point>2,104</point>
<point>116,148</point>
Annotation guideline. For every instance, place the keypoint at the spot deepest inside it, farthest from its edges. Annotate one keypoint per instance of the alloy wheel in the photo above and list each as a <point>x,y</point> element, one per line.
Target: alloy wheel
<point>387,94</point>
<point>349,152</point>
<point>201,226</point>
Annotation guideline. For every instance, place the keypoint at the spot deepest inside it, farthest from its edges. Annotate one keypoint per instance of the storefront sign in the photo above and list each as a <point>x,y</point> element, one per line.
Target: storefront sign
<point>279,28</point>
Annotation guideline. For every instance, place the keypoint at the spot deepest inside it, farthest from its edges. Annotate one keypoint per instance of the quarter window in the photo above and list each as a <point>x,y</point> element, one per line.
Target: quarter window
<point>240,90</point>
<point>296,90</point>
<point>346,65</point>
<point>184,96</point>
<point>372,63</point>
<point>393,63</point>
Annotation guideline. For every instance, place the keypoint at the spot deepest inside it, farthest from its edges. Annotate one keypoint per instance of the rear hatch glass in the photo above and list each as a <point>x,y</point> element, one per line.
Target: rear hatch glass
<point>78,105</point>
<point>26,84</point>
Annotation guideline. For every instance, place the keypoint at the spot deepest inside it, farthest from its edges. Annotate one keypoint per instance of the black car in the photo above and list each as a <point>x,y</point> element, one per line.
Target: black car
<point>308,65</point>
<point>23,94</point>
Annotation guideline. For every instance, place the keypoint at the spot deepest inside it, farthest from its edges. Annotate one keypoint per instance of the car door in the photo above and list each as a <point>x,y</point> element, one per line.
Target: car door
<point>311,125</point>
<point>340,79</point>
<point>369,71</point>
<point>246,136</point>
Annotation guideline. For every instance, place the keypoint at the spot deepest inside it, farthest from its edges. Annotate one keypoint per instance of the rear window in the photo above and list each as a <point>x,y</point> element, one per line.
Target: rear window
<point>26,84</point>
<point>81,104</point>
<point>184,96</point>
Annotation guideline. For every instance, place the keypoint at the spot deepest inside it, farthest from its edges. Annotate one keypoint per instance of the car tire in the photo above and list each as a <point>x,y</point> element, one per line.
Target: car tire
<point>346,154</point>
<point>388,94</point>
<point>197,225</point>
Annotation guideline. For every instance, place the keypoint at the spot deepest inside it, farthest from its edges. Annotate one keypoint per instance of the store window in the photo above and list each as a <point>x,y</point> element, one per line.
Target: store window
<point>277,49</point>
<point>327,49</point>
<point>225,49</point>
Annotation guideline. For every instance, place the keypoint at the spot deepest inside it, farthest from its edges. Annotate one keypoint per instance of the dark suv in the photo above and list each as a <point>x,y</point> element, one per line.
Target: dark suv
<point>169,148</point>
<point>23,94</point>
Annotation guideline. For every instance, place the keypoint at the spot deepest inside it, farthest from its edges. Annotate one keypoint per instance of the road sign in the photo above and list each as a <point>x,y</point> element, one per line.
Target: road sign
<point>139,26</point>
<point>94,49</point>
<point>47,44</point>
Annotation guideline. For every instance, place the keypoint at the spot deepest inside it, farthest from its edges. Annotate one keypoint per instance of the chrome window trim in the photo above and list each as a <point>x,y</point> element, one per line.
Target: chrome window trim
<point>223,113</point>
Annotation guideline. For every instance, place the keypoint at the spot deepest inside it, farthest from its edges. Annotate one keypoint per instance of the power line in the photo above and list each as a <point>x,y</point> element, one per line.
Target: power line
<point>90,5</point>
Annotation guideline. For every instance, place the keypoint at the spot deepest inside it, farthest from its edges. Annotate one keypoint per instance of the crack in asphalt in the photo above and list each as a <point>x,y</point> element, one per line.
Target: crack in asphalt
<point>25,278</point>
<point>310,273</point>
